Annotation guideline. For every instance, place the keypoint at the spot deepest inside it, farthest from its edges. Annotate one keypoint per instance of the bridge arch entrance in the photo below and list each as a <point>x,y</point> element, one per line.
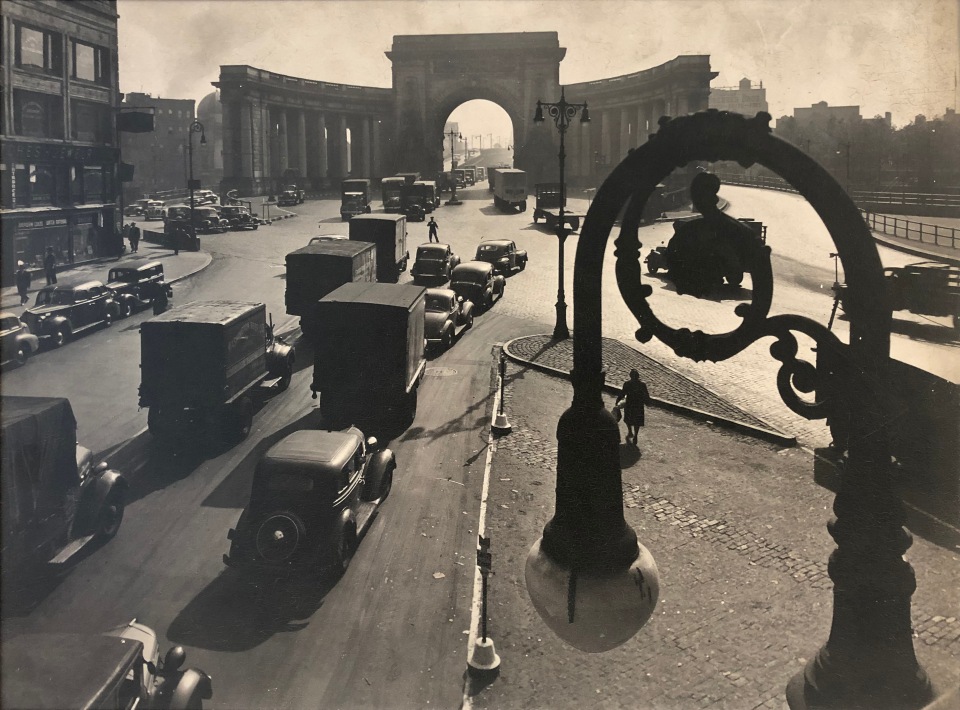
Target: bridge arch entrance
<point>434,74</point>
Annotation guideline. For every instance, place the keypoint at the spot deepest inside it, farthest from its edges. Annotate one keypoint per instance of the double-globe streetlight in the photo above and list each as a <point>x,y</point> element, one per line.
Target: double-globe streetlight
<point>454,137</point>
<point>195,127</point>
<point>562,114</point>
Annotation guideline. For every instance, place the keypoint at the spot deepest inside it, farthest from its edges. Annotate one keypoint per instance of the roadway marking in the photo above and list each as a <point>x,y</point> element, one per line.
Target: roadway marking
<point>467,703</point>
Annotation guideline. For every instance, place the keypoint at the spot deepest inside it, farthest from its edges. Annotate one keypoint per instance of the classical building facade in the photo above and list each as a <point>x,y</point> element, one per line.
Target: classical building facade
<point>278,127</point>
<point>59,162</point>
<point>159,157</point>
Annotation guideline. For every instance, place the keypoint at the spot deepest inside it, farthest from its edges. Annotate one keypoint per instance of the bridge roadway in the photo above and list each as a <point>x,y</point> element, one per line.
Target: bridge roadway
<point>391,633</point>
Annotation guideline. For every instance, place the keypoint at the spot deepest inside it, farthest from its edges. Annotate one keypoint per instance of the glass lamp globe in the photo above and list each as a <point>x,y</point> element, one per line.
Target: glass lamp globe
<point>593,612</point>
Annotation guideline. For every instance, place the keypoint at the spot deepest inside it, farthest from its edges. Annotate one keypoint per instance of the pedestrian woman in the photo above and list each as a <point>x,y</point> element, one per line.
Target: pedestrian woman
<point>23,282</point>
<point>50,266</point>
<point>635,396</point>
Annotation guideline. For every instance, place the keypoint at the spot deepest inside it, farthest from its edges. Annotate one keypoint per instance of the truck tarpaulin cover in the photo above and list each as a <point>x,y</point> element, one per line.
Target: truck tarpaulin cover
<point>39,455</point>
<point>139,121</point>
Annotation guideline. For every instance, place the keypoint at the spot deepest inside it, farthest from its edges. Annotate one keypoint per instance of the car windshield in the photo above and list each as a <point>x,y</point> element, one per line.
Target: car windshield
<point>125,275</point>
<point>488,250</point>
<point>54,298</point>
<point>206,212</point>
<point>439,302</point>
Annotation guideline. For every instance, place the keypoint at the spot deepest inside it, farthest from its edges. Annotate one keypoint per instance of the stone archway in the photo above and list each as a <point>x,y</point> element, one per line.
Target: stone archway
<point>433,74</point>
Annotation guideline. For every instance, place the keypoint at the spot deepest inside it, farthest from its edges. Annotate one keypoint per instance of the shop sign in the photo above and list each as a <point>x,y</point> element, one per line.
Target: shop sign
<point>41,223</point>
<point>40,153</point>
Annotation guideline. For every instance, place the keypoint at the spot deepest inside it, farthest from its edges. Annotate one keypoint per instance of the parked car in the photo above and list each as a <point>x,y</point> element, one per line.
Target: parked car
<point>476,281</point>
<point>314,495</point>
<point>17,343</point>
<point>136,208</point>
<point>434,263</point>
<point>447,317</point>
<point>206,197</point>
<point>239,217</point>
<point>62,310</point>
<point>503,254</point>
<point>117,670</point>
<point>327,238</point>
<point>414,212</point>
<point>207,220</point>
<point>136,287</point>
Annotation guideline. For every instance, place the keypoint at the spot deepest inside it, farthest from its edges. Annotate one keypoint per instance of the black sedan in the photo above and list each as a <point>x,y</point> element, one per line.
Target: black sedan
<point>476,281</point>
<point>503,254</point>
<point>434,263</point>
<point>62,311</point>
<point>314,495</point>
<point>447,316</point>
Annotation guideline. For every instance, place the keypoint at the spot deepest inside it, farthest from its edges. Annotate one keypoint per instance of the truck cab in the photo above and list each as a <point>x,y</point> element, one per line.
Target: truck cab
<point>354,198</point>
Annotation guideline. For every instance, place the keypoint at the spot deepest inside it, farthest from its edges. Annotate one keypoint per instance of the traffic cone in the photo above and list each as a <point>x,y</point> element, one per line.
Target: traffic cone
<point>483,657</point>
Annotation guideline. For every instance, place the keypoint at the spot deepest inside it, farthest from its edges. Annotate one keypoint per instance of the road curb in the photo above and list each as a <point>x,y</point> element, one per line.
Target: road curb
<point>770,435</point>
<point>194,272</point>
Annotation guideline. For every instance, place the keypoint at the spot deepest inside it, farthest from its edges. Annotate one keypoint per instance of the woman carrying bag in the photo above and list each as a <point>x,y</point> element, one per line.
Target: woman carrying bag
<point>634,396</point>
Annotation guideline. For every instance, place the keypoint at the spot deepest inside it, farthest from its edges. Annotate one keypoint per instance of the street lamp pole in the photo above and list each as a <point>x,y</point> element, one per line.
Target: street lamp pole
<point>562,113</point>
<point>454,136</point>
<point>195,127</point>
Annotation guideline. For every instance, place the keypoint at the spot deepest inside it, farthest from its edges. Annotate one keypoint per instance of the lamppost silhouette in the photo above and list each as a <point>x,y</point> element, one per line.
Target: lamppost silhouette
<point>195,127</point>
<point>562,113</point>
<point>454,136</point>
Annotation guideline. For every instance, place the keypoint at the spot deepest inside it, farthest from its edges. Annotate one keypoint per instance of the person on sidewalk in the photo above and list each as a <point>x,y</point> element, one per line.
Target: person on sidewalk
<point>23,282</point>
<point>134,237</point>
<point>432,226</point>
<point>635,396</point>
<point>50,266</point>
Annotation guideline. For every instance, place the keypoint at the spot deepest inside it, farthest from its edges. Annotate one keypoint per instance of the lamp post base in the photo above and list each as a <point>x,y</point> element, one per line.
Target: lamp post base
<point>560,330</point>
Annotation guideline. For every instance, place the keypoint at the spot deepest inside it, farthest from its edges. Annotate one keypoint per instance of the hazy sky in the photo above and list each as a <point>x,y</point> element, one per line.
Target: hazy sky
<point>900,56</point>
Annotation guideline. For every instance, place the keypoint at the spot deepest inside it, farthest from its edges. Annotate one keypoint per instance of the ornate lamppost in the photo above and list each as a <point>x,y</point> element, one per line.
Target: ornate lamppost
<point>562,113</point>
<point>195,127</point>
<point>454,136</point>
<point>868,661</point>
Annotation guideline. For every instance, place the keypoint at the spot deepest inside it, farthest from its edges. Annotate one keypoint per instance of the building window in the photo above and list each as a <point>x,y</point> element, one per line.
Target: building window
<point>91,63</point>
<point>37,115</point>
<point>21,185</point>
<point>91,122</point>
<point>42,186</point>
<point>93,188</point>
<point>38,49</point>
<point>76,184</point>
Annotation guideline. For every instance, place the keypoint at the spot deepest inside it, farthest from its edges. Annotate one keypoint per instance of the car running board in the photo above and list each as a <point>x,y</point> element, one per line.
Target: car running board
<point>366,512</point>
<point>70,550</point>
<point>271,383</point>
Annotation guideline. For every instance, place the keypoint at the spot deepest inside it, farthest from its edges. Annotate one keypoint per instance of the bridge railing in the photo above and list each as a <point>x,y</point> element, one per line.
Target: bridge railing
<point>914,231</point>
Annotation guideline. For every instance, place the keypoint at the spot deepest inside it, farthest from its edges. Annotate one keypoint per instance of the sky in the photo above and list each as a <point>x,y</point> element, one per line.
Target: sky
<point>900,56</point>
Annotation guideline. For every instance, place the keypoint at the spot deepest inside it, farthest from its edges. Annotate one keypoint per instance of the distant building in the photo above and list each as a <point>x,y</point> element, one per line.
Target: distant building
<point>208,159</point>
<point>745,98</point>
<point>159,158</point>
<point>59,166</point>
<point>821,113</point>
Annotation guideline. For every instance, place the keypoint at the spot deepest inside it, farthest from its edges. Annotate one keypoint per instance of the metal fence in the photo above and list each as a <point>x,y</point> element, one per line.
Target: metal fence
<point>915,231</point>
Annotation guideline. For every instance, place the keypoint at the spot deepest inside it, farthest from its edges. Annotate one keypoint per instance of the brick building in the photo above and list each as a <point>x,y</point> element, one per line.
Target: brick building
<point>59,167</point>
<point>159,157</point>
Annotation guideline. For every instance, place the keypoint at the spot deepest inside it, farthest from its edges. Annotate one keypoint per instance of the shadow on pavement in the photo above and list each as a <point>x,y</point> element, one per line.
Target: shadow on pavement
<point>235,614</point>
<point>929,332</point>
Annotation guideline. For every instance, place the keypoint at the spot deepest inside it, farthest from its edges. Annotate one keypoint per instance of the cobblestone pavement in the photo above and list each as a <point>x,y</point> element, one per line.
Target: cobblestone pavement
<point>738,530</point>
<point>665,385</point>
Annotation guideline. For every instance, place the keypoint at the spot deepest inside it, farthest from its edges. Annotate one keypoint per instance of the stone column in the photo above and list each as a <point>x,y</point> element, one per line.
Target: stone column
<point>246,140</point>
<point>283,144</point>
<point>605,136</point>
<point>266,134</point>
<point>640,135</point>
<point>377,161</point>
<point>365,154</point>
<point>344,146</point>
<point>302,143</point>
<point>624,134</point>
<point>322,145</point>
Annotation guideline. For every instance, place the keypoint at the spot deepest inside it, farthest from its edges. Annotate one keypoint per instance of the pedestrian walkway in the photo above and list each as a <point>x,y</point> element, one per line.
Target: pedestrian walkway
<point>668,388</point>
<point>175,268</point>
<point>737,527</point>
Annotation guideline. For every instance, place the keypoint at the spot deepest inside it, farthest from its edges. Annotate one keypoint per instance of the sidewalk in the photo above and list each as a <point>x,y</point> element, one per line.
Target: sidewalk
<point>175,268</point>
<point>737,527</point>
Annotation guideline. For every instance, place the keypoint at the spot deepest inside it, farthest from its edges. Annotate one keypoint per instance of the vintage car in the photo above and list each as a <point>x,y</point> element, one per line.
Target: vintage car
<point>207,220</point>
<point>239,217</point>
<point>327,238</point>
<point>136,209</point>
<point>314,495</point>
<point>434,263</point>
<point>205,197</point>
<point>119,670</point>
<point>62,310</point>
<point>56,499</point>
<point>291,195</point>
<point>476,281</point>
<point>503,254</point>
<point>17,343</point>
<point>136,287</point>
<point>352,204</point>
<point>153,210</point>
<point>447,316</point>
<point>414,212</point>
<point>656,259</point>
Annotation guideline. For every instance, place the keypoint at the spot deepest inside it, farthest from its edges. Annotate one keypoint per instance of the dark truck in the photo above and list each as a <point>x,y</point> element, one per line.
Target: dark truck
<point>389,233</point>
<point>199,363</point>
<point>369,358</point>
<point>55,499</point>
<point>354,198</point>
<point>390,192</point>
<point>317,269</point>
<point>549,200</point>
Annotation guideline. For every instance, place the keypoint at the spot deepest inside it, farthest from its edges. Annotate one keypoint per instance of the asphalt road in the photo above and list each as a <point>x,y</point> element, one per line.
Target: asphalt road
<point>391,632</point>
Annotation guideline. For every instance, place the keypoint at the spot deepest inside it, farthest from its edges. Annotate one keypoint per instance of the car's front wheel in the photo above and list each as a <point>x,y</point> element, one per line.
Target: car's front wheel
<point>111,515</point>
<point>22,355</point>
<point>386,483</point>
<point>61,336</point>
<point>346,546</point>
<point>126,308</point>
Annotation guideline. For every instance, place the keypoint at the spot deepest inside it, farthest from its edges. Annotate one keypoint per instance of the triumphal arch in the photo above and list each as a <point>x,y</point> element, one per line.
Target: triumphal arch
<point>278,127</point>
